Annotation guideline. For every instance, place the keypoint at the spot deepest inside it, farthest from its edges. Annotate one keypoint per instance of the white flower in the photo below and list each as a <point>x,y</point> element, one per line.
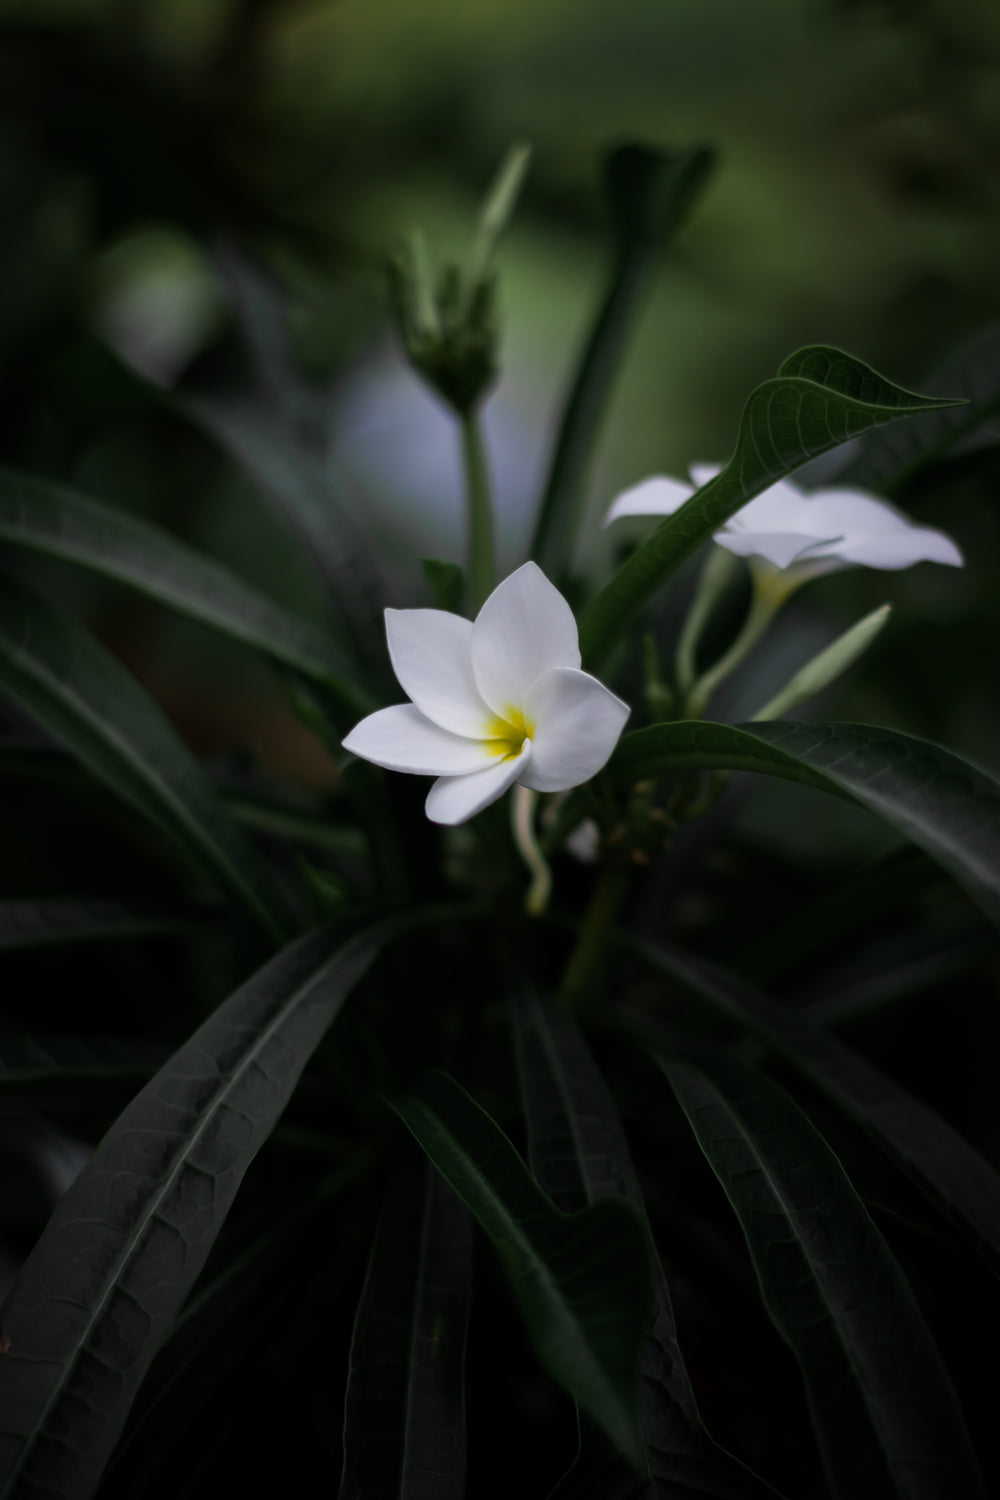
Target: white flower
<point>801,532</point>
<point>493,702</point>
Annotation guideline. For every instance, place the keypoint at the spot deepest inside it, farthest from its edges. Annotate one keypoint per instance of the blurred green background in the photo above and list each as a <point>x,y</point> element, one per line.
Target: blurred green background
<point>199,196</point>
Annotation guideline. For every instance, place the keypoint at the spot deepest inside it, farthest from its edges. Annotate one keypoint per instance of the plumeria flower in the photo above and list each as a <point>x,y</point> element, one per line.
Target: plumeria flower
<point>802,533</point>
<point>493,702</point>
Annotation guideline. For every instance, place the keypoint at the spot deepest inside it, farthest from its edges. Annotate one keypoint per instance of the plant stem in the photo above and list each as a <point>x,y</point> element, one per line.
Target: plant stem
<point>481,552</point>
<point>767,599</point>
<point>715,575</point>
<point>523,820</point>
<point>604,903</point>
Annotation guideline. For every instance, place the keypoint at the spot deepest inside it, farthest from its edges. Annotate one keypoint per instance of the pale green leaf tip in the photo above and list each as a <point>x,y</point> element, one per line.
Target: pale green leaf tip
<point>827,665</point>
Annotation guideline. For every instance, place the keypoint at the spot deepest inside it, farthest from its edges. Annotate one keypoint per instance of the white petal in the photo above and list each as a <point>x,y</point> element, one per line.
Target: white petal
<point>702,473</point>
<point>401,739</point>
<point>524,629</point>
<point>778,547</point>
<point>653,497</point>
<point>431,653</point>
<point>781,507</point>
<point>453,799</point>
<point>901,549</point>
<point>576,724</point>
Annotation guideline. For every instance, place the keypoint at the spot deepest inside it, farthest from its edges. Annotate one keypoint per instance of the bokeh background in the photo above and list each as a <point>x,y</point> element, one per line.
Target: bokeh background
<point>199,197</point>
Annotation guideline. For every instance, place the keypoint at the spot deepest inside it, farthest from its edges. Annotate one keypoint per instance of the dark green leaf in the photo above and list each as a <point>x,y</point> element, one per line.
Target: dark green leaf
<point>97,1295</point>
<point>303,491</point>
<point>27,1061</point>
<point>883,1406</point>
<point>43,922</point>
<point>819,398</point>
<point>219,1332</point>
<point>404,1423</point>
<point>581,1280</point>
<point>962,1184</point>
<point>579,1155</point>
<point>941,802</point>
<point>50,518</point>
<point>650,194</point>
<point>446,583</point>
<point>82,696</point>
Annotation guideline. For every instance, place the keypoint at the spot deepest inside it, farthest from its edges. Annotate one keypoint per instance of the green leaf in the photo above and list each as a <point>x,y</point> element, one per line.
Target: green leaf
<point>259,1291</point>
<point>952,1173</point>
<point>303,491</point>
<point>581,1280</point>
<point>50,518</point>
<point>29,1062</point>
<point>404,1422</point>
<point>44,922</point>
<point>943,803</point>
<point>579,1155</point>
<point>819,398</point>
<point>82,696</point>
<point>446,583</point>
<point>97,1295</point>
<point>884,1409</point>
<point>650,194</point>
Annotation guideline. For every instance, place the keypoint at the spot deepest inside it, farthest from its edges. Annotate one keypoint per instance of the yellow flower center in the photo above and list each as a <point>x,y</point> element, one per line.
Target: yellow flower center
<point>508,733</point>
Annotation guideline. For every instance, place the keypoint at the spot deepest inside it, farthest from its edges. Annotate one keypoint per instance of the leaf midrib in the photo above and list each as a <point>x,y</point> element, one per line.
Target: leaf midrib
<point>131,1247</point>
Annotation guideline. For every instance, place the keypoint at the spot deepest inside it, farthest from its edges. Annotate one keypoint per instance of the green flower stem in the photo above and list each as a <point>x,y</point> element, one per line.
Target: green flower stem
<point>770,590</point>
<point>583,415</point>
<point>523,821</point>
<point>481,569</point>
<point>609,893</point>
<point>715,575</point>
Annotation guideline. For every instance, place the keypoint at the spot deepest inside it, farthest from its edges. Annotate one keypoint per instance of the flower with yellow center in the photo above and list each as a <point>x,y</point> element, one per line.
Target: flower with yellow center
<point>492,702</point>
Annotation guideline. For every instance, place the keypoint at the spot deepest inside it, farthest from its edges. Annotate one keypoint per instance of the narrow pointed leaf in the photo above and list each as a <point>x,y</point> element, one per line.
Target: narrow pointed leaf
<point>579,1155</point>
<point>45,922</point>
<point>884,1409</point>
<point>944,804</point>
<point>404,1426</point>
<point>963,1185</point>
<point>48,517</point>
<point>819,399</point>
<point>97,1295</point>
<point>86,699</point>
<point>581,1280</point>
<point>303,491</point>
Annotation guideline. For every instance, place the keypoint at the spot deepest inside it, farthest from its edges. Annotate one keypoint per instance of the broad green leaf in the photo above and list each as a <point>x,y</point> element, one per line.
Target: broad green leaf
<point>579,1155</point>
<point>819,398</point>
<point>44,921</point>
<point>960,1182</point>
<point>404,1422</point>
<point>47,517</point>
<point>220,1328</point>
<point>884,1409</point>
<point>650,194</point>
<point>941,802</point>
<point>97,1295</point>
<point>581,1280</point>
<point>86,699</point>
